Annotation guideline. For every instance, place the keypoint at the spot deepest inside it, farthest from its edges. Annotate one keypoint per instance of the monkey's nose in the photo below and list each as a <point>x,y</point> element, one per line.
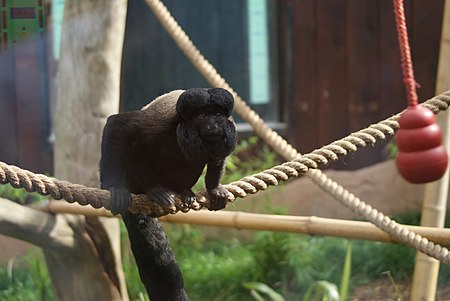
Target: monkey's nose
<point>213,128</point>
<point>212,133</point>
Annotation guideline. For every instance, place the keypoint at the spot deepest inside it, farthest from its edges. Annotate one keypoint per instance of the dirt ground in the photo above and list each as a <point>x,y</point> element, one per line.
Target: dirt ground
<point>383,290</point>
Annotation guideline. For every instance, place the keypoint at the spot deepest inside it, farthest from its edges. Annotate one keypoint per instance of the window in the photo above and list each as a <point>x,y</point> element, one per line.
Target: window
<point>235,36</point>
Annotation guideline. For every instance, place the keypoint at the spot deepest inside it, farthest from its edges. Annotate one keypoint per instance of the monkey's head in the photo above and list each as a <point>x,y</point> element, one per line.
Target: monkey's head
<point>206,111</point>
<point>206,128</point>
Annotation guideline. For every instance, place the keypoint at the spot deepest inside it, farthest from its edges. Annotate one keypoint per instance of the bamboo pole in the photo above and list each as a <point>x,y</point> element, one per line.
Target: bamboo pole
<point>426,270</point>
<point>309,225</point>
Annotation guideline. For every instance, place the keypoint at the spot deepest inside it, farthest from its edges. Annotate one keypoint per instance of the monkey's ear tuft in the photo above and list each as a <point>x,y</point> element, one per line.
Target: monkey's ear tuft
<point>222,98</point>
<point>192,100</point>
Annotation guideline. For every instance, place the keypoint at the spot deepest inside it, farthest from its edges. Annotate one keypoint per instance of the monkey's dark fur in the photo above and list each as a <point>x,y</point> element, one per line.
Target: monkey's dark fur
<point>162,150</point>
<point>158,269</point>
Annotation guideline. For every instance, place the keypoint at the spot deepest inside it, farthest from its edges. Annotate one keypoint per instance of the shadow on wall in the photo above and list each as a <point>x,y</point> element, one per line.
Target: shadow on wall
<point>379,185</point>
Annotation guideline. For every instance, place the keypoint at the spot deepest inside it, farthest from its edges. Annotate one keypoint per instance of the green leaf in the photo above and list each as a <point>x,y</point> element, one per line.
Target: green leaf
<point>322,291</point>
<point>264,289</point>
<point>345,281</point>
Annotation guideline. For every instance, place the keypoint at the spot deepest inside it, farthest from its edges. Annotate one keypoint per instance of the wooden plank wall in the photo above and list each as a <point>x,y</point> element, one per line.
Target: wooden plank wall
<point>339,69</point>
<point>346,67</point>
<point>24,106</point>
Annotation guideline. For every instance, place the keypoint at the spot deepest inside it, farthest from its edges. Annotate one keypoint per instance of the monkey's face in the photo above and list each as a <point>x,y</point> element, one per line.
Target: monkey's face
<point>210,124</point>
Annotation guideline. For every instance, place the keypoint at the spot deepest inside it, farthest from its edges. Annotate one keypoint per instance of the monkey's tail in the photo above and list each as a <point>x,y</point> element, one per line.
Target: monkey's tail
<point>157,266</point>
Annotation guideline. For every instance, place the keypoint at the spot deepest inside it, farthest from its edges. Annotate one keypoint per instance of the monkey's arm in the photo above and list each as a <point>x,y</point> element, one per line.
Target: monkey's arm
<point>113,174</point>
<point>217,193</point>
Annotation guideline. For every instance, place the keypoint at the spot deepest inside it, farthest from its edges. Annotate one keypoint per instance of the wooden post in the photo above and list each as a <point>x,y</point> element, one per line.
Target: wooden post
<point>309,225</point>
<point>88,91</point>
<point>426,270</point>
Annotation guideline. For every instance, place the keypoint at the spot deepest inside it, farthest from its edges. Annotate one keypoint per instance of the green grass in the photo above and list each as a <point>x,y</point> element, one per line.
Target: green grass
<point>19,195</point>
<point>25,279</point>
<point>217,269</point>
<point>289,263</point>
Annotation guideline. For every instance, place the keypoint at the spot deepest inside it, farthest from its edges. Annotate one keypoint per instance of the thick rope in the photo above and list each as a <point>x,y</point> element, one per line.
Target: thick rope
<point>383,222</point>
<point>251,184</point>
<point>277,142</point>
<point>58,189</point>
<point>216,80</point>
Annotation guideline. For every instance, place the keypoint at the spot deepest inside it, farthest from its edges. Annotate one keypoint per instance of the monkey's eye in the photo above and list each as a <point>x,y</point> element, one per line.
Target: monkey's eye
<point>202,116</point>
<point>218,114</point>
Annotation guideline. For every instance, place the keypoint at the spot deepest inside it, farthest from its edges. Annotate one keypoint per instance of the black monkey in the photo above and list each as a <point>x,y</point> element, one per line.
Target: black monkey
<point>160,151</point>
<point>163,148</point>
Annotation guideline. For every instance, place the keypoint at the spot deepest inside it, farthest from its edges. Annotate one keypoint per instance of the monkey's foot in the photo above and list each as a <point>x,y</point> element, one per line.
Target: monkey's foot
<point>188,197</point>
<point>163,196</point>
<point>120,200</point>
<point>218,197</point>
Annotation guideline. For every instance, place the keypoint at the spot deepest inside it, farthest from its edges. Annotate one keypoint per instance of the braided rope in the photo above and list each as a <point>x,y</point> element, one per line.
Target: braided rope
<point>383,222</point>
<point>286,150</point>
<point>59,189</point>
<point>216,80</point>
<point>251,184</point>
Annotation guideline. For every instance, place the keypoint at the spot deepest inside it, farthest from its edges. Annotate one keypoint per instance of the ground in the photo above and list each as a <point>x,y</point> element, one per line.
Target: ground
<point>383,290</point>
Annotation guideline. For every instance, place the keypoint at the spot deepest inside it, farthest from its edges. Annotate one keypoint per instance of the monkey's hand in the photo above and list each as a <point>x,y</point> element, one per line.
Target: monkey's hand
<point>218,197</point>
<point>188,197</point>
<point>120,200</point>
<point>163,196</point>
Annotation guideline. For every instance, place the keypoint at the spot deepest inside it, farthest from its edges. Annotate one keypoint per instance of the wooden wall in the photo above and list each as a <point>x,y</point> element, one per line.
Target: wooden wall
<point>346,71</point>
<point>338,69</point>
<point>24,106</point>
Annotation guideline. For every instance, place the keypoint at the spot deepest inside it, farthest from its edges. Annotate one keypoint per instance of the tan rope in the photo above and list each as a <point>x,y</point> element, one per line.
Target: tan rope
<point>251,184</point>
<point>58,189</point>
<point>279,144</point>
<point>216,80</point>
<point>383,222</point>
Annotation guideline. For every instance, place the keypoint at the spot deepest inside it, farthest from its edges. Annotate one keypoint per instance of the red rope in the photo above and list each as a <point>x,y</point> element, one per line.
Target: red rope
<point>407,66</point>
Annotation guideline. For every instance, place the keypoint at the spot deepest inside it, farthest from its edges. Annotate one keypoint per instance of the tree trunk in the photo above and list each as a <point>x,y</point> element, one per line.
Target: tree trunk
<point>88,92</point>
<point>74,265</point>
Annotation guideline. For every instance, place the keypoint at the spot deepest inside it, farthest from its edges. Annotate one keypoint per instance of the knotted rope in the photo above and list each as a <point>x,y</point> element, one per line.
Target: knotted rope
<point>59,189</point>
<point>285,149</point>
<point>213,77</point>
<point>251,184</point>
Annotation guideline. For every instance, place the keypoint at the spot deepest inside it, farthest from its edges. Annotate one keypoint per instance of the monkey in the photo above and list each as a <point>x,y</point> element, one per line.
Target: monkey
<point>162,149</point>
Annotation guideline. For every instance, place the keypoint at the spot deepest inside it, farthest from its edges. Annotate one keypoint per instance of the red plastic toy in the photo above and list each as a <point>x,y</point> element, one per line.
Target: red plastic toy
<point>421,158</point>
